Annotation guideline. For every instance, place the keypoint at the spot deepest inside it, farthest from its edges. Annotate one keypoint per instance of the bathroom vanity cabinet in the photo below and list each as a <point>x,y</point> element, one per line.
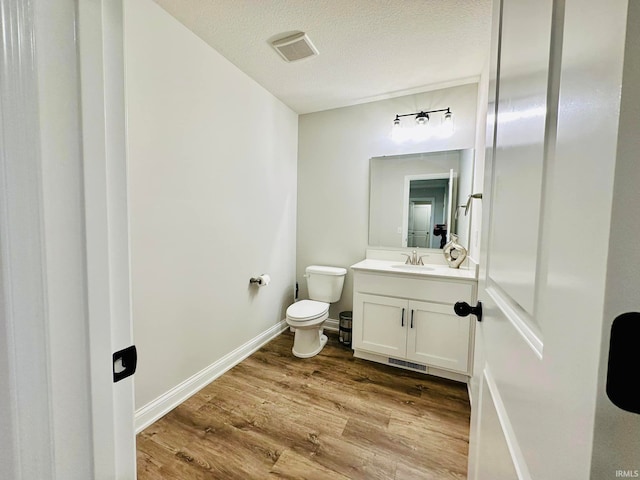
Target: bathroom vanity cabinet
<point>404,317</point>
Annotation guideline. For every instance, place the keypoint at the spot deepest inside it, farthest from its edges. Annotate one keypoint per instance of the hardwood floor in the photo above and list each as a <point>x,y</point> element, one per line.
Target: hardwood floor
<point>328,417</point>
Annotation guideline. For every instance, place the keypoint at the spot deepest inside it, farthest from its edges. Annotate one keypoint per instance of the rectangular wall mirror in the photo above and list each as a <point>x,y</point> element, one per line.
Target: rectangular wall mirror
<point>417,200</point>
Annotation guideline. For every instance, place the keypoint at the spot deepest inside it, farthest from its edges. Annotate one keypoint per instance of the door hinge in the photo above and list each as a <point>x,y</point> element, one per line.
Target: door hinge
<point>124,363</point>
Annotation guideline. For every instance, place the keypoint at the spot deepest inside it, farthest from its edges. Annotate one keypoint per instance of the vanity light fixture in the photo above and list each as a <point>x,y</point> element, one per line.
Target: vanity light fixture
<point>422,118</point>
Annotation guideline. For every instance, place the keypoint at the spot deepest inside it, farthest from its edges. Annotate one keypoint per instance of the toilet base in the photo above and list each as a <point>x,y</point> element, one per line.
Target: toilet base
<point>308,342</point>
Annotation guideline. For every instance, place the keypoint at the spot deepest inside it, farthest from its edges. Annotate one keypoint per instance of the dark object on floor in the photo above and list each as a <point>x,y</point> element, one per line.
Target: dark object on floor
<point>346,319</point>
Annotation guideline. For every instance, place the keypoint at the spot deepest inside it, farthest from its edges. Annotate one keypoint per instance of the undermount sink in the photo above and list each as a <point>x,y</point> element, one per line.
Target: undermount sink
<point>412,268</point>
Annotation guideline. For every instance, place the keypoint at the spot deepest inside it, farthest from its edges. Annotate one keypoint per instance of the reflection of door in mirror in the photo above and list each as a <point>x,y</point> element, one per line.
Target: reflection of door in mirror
<point>425,205</point>
<point>419,223</point>
<point>451,200</point>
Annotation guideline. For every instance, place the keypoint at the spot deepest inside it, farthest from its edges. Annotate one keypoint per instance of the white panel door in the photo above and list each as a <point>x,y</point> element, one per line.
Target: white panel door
<point>380,324</point>
<point>512,376</point>
<point>66,267</point>
<point>548,151</point>
<point>419,224</point>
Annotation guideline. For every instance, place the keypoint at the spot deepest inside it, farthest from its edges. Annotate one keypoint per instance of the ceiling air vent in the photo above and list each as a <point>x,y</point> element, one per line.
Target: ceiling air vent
<point>295,47</point>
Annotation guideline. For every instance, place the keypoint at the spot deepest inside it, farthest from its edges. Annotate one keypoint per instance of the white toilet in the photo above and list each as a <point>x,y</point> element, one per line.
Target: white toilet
<point>307,317</point>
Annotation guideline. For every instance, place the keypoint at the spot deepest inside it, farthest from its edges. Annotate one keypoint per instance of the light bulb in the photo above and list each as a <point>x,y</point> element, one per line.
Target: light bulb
<point>422,118</point>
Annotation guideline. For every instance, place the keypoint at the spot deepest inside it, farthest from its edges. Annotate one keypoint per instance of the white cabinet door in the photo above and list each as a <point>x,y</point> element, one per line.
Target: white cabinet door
<point>380,324</point>
<point>437,336</point>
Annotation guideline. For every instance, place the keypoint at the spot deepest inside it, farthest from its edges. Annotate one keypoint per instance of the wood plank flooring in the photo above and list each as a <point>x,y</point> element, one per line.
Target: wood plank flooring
<point>329,417</point>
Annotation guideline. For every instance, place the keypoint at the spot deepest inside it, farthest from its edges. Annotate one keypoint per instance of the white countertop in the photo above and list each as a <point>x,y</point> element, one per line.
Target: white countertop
<point>428,270</point>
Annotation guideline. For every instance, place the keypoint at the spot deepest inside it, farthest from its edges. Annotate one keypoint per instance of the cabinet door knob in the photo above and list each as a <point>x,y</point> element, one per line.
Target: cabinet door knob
<point>463,309</point>
<point>411,318</point>
<point>402,318</point>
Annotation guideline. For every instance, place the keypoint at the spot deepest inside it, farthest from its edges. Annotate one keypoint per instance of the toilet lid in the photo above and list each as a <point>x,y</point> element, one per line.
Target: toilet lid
<point>307,310</point>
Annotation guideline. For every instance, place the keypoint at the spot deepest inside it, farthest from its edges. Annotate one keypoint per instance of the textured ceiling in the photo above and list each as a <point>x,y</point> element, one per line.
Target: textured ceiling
<point>369,49</point>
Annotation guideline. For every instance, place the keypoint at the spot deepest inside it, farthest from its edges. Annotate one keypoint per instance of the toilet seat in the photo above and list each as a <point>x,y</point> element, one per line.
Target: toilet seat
<point>306,310</point>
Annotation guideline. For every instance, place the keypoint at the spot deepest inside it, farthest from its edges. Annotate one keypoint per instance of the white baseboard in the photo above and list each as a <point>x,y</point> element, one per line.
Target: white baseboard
<point>332,324</point>
<point>166,402</point>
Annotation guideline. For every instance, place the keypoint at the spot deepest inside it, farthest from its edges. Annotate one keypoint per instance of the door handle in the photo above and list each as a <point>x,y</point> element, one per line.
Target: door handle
<point>402,318</point>
<point>411,318</point>
<point>463,309</point>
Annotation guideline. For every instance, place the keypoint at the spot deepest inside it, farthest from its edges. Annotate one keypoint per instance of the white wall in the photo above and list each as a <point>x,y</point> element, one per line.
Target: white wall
<point>475,224</point>
<point>486,97</point>
<point>212,159</point>
<point>333,173</point>
<point>465,188</point>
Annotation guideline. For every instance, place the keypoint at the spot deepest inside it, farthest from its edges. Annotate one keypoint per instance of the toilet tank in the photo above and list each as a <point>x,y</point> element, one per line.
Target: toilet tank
<point>325,283</point>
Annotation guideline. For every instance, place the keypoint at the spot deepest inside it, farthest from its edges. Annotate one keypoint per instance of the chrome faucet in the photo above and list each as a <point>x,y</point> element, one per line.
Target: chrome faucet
<point>413,259</point>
